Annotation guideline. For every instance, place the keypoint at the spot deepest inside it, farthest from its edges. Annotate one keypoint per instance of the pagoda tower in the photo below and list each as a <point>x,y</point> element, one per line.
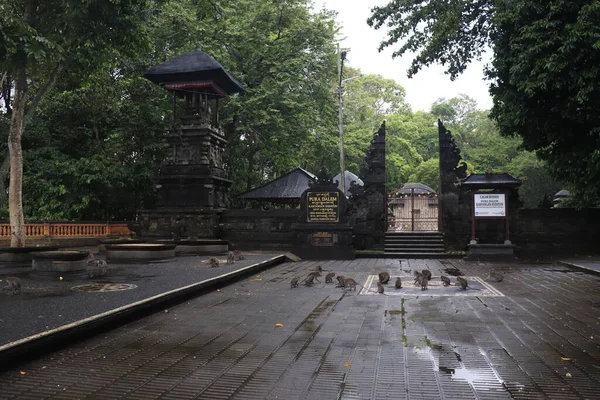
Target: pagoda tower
<point>192,186</point>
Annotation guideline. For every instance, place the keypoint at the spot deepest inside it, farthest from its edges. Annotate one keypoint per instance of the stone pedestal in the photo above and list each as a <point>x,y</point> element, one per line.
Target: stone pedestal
<point>323,232</point>
<point>490,252</point>
<point>324,242</point>
<point>176,223</point>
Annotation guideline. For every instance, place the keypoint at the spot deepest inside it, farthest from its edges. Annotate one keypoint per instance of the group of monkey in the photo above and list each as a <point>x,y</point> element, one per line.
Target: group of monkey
<point>232,257</point>
<point>421,280</point>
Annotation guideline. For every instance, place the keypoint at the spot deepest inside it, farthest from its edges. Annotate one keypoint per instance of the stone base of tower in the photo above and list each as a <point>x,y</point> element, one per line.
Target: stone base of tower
<point>176,223</point>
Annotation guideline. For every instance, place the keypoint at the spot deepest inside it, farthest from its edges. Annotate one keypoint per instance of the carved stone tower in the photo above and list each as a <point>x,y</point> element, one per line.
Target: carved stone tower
<point>192,186</point>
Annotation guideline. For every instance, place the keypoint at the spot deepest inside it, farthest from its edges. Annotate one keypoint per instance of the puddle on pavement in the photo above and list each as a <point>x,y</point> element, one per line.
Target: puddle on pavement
<point>465,374</point>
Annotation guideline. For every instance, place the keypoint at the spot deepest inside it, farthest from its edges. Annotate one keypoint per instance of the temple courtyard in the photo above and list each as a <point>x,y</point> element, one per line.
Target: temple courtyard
<point>534,335</point>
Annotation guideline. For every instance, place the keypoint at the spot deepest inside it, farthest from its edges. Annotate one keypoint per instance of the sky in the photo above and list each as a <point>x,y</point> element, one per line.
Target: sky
<point>425,87</point>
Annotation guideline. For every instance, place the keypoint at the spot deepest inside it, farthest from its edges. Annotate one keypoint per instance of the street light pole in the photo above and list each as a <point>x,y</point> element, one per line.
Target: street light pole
<point>341,57</point>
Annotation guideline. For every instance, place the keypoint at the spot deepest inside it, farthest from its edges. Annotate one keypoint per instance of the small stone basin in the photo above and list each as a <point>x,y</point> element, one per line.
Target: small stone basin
<point>59,263</point>
<point>139,252</point>
<point>15,260</point>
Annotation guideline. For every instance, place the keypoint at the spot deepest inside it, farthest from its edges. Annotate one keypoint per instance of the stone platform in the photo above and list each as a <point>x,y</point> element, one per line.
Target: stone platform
<point>259,339</point>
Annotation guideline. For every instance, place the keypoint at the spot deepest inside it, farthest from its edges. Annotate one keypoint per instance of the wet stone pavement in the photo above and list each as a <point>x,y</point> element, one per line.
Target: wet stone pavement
<point>535,335</point>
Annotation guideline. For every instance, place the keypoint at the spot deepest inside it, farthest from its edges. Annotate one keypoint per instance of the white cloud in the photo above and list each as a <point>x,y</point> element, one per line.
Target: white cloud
<point>424,88</point>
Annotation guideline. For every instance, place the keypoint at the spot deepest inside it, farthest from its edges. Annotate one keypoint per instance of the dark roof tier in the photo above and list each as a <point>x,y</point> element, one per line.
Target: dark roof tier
<point>195,69</point>
<point>287,188</point>
<point>490,181</point>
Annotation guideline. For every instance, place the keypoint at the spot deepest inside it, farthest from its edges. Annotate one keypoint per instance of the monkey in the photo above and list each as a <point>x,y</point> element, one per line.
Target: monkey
<point>350,283</point>
<point>424,283</point>
<point>398,283</point>
<point>238,256</point>
<point>427,274</point>
<point>95,267</point>
<point>230,258</point>
<point>384,277</point>
<point>380,288</point>
<point>497,275</point>
<point>319,268</point>
<point>340,279</point>
<point>418,277</point>
<point>294,282</point>
<point>314,274</point>
<point>446,280</point>
<point>213,262</point>
<point>464,284</point>
<point>14,284</point>
<point>310,280</point>
<point>329,277</point>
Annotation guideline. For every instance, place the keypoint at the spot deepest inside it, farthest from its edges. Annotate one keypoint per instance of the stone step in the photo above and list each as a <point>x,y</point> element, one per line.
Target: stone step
<point>418,244</point>
<point>399,240</point>
<point>419,255</point>
<point>415,250</point>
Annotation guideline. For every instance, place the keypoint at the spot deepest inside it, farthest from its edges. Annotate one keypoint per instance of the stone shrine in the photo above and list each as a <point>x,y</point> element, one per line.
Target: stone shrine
<point>323,232</point>
<point>192,186</point>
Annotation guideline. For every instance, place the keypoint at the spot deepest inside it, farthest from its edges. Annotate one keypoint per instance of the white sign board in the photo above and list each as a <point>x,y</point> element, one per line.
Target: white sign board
<point>490,205</point>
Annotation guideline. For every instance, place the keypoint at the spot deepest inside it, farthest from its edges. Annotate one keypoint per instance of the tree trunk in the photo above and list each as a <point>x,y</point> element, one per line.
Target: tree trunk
<point>15,189</point>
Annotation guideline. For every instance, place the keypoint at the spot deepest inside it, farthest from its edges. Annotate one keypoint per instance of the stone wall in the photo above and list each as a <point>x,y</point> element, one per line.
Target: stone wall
<point>557,231</point>
<point>258,229</point>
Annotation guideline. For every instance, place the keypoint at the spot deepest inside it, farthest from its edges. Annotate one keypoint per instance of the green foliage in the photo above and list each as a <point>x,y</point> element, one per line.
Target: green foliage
<point>545,71</point>
<point>427,173</point>
<point>547,89</point>
<point>449,32</point>
<point>535,178</point>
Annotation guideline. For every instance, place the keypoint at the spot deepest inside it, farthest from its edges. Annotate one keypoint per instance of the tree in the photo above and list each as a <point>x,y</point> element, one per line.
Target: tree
<point>39,40</point>
<point>545,70</point>
<point>451,33</point>
<point>546,86</point>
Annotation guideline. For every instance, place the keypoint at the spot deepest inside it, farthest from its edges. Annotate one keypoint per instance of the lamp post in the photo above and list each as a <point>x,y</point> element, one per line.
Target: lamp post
<point>341,57</point>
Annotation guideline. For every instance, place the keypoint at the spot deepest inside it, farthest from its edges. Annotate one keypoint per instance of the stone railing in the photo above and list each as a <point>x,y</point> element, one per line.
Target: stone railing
<point>70,230</point>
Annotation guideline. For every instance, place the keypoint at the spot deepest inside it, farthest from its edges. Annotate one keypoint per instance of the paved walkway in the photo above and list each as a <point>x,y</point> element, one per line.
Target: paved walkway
<point>47,304</point>
<point>591,264</point>
<point>535,335</point>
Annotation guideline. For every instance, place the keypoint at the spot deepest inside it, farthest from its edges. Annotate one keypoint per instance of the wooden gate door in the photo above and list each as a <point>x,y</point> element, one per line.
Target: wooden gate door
<point>413,212</point>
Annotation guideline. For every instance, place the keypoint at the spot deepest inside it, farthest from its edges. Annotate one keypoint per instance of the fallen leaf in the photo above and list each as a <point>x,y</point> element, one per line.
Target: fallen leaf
<point>219,290</point>
<point>347,364</point>
<point>166,311</point>
<point>279,325</point>
<point>568,375</point>
<point>23,372</point>
<point>60,278</point>
<point>257,279</point>
<point>565,358</point>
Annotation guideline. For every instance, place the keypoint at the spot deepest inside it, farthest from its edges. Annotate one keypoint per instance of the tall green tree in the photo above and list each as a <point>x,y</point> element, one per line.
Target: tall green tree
<point>42,40</point>
<point>544,71</point>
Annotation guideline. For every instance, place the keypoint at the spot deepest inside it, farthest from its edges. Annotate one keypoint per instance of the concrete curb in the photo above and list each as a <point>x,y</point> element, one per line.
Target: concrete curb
<point>44,342</point>
<point>580,267</point>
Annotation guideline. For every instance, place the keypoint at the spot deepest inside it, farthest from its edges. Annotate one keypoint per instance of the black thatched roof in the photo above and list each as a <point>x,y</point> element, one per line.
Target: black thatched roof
<point>418,187</point>
<point>287,188</point>
<point>193,66</point>
<point>490,181</point>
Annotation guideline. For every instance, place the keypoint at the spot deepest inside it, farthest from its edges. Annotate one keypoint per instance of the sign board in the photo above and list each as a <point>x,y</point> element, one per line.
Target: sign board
<point>322,207</point>
<point>322,239</point>
<point>490,205</point>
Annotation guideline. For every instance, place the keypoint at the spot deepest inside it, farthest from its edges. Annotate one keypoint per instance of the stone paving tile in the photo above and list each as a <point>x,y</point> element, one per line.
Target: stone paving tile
<point>539,338</point>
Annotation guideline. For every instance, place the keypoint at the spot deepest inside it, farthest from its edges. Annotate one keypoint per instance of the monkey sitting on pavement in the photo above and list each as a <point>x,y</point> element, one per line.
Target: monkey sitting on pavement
<point>497,275</point>
<point>384,277</point>
<point>446,280</point>
<point>294,282</point>
<point>380,288</point>
<point>13,284</point>
<point>230,258</point>
<point>329,277</point>
<point>398,283</point>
